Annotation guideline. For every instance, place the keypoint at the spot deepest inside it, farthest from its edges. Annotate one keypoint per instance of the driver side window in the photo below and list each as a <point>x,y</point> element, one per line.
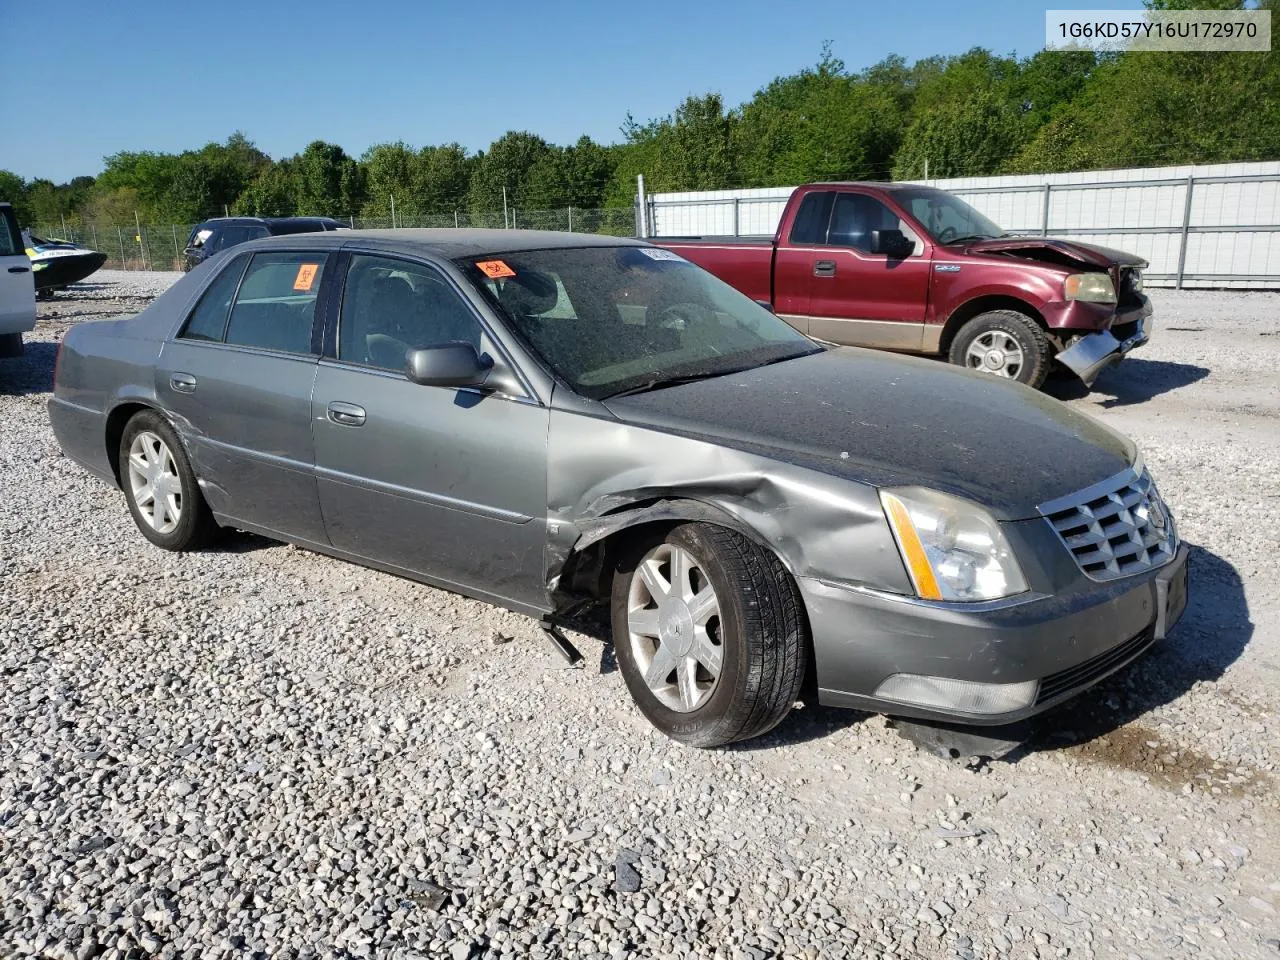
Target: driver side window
<point>855,216</point>
<point>390,307</point>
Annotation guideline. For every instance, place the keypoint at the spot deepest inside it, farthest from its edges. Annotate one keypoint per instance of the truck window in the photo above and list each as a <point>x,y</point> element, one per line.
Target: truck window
<point>855,216</point>
<point>811,219</point>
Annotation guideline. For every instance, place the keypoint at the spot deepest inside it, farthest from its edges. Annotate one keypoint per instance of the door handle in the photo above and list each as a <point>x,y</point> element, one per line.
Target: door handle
<point>183,383</point>
<point>346,414</point>
<point>19,269</point>
<point>824,268</point>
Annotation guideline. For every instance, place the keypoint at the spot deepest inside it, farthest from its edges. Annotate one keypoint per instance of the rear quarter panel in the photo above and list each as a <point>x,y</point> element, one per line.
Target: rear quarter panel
<point>98,371</point>
<point>746,266</point>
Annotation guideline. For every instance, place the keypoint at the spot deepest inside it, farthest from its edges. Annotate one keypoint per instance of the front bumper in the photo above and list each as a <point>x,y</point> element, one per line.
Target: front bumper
<point>1066,643</point>
<point>1089,355</point>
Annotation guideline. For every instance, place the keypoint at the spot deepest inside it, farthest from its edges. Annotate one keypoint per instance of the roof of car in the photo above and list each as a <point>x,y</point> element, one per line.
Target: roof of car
<point>452,242</point>
<point>873,184</point>
<point>273,221</point>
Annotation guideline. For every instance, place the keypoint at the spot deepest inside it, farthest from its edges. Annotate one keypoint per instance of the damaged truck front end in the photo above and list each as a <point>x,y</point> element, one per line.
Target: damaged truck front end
<point>1096,312</point>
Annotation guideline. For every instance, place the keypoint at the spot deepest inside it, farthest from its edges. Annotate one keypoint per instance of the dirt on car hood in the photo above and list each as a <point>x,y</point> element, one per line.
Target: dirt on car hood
<point>896,421</point>
<point>1056,250</point>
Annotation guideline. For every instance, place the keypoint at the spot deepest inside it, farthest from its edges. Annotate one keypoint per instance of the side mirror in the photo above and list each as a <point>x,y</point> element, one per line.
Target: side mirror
<point>453,364</point>
<point>893,243</point>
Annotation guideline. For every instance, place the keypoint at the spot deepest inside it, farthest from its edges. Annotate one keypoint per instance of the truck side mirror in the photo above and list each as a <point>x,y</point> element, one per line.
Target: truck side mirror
<point>892,243</point>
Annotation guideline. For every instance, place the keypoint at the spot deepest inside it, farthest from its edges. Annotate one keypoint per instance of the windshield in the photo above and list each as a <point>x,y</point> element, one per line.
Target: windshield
<point>946,217</point>
<point>608,320</point>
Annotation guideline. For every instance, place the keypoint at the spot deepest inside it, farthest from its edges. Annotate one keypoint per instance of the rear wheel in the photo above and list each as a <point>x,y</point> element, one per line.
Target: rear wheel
<point>709,634</point>
<point>1004,343</point>
<point>160,486</point>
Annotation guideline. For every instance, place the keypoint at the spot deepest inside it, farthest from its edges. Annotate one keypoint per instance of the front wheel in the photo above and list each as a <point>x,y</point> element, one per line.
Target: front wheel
<point>1004,343</point>
<point>709,634</point>
<point>160,486</point>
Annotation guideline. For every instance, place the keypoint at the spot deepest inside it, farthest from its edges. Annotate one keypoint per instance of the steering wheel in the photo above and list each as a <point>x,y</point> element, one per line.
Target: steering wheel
<point>948,234</point>
<point>680,316</point>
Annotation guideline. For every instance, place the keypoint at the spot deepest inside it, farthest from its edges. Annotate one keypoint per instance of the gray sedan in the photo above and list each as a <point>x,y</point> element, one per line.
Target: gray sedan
<point>558,422</point>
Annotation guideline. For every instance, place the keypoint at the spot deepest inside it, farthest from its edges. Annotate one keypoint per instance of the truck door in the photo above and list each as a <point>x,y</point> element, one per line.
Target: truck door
<point>793,258</point>
<point>861,298</point>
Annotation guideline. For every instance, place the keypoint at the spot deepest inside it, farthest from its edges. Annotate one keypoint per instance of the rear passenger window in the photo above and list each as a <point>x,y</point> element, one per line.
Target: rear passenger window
<point>209,318</point>
<point>811,219</point>
<point>276,304</point>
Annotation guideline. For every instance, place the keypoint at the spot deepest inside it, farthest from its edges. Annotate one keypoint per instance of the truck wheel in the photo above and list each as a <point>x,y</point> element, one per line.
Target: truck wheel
<point>1006,344</point>
<point>10,345</point>
<point>709,634</point>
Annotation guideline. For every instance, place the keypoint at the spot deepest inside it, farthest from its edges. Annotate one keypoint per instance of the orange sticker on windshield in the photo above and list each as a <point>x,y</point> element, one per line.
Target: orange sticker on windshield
<point>495,269</point>
<point>306,277</point>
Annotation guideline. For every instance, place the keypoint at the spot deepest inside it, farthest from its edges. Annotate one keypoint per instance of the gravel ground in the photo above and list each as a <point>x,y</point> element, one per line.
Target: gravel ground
<point>262,752</point>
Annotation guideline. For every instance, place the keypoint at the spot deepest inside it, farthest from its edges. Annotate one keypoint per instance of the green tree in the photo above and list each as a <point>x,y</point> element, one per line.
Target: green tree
<point>327,182</point>
<point>273,193</point>
<point>574,176</point>
<point>507,164</point>
<point>975,137</point>
<point>13,190</point>
<point>390,170</point>
<point>443,178</point>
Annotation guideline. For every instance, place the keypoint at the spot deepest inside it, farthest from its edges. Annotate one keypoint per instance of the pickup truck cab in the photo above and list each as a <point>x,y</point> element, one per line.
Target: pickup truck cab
<point>17,288</point>
<point>911,268</point>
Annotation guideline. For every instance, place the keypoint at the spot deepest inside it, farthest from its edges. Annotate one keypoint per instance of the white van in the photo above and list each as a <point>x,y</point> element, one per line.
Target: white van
<point>17,286</point>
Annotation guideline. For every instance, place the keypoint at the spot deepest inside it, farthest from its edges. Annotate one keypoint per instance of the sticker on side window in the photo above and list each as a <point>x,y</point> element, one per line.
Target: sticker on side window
<point>495,269</point>
<point>306,277</point>
<point>657,253</point>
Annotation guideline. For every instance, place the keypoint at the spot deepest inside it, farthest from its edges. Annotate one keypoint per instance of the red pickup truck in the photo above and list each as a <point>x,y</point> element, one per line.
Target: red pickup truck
<point>911,268</point>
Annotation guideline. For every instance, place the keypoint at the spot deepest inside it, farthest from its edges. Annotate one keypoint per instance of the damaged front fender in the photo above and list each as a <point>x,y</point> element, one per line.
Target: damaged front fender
<point>607,477</point>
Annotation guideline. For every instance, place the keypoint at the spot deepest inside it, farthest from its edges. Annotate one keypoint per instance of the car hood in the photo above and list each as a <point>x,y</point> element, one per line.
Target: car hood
<point>1056,250</point>
<point>896,421</point>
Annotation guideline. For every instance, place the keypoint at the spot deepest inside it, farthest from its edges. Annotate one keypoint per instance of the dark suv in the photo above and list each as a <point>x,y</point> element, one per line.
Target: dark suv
<point>222,232</point>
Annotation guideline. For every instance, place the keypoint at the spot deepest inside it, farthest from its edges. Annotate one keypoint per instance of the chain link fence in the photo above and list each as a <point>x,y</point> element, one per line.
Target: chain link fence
<point>136,246</point>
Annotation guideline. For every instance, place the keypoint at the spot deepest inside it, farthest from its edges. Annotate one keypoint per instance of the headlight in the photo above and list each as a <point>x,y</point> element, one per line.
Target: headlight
<point>1091,287</point>
<point>953,549</point>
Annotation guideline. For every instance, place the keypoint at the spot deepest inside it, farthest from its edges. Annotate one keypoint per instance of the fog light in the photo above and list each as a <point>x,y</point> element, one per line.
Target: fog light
<point>963,696</point>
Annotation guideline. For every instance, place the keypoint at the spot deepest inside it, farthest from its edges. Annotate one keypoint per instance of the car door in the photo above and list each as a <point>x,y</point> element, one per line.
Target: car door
<point>237,380</point>
<point>17,286</point>
<point>446,483</point>
<point>862,298</point>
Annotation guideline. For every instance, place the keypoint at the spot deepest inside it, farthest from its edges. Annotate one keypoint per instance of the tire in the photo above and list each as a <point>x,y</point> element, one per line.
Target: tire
<point>149,439</point>
<point>11,346</point>
<point>758,627</point>
<point>996,331</point>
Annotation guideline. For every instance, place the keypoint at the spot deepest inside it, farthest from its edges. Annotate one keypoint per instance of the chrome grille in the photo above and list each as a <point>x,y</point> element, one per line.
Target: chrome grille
<point>1115,528</point>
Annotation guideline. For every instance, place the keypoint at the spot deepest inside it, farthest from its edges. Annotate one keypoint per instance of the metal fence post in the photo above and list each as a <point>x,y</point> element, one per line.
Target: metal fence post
<point>455,219</point>
<point>735,216</point>
<point>120,236</point>
<point>1044,222</point>
<point>94,228</point>
<point>571,219</point>
<point>175,241</point>
<point>1186,229</point>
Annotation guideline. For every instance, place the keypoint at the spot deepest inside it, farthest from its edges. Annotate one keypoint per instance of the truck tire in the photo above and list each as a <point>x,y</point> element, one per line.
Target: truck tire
<point>710,634</point>
<point>1004,343</point>
<point>10,345</point>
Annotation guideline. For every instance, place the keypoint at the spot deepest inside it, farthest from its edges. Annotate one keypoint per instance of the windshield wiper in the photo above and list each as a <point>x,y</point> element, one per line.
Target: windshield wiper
<point>967,237</point>
<point>661,383</point>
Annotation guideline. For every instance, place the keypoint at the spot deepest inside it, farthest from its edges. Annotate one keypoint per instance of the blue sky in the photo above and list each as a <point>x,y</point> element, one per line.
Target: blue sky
<point>86,79</point>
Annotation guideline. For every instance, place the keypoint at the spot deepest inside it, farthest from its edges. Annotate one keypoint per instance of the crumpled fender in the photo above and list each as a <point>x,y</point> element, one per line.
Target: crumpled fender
<point>607,476</point>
